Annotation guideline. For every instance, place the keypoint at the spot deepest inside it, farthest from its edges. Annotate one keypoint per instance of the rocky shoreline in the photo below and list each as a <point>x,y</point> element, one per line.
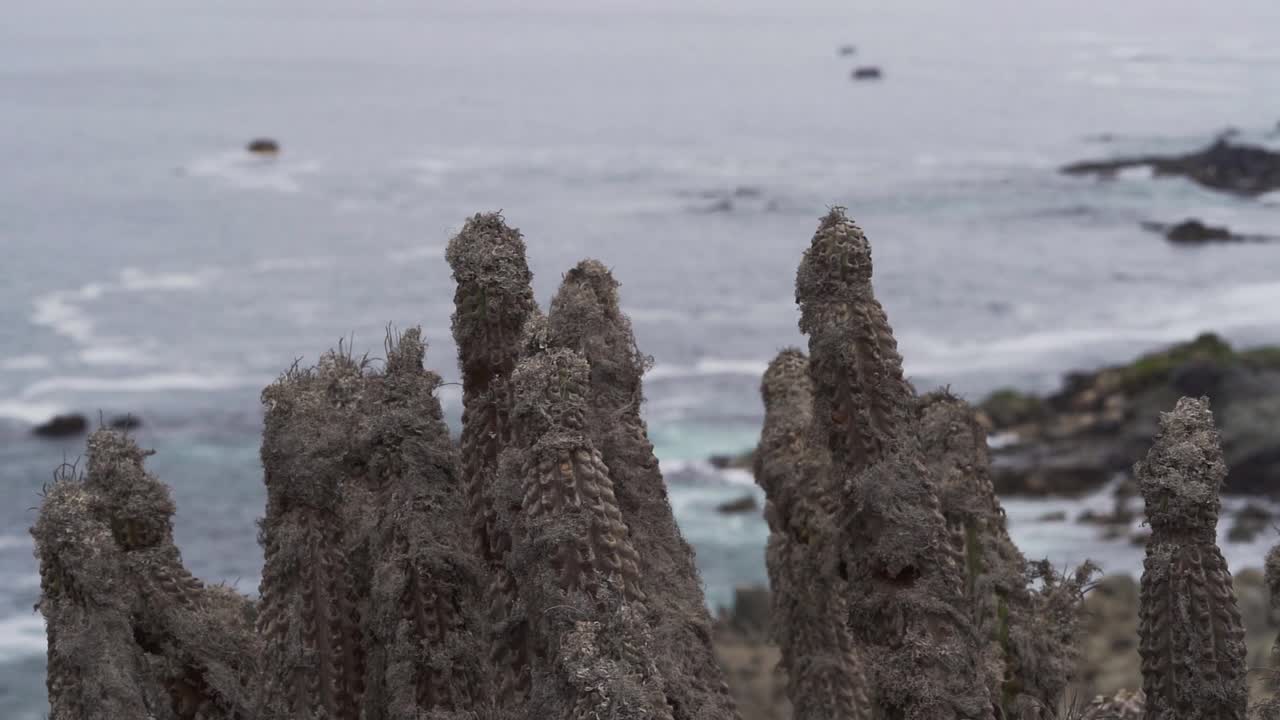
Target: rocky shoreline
<point>1089,432</point>
<point>1094,428</point>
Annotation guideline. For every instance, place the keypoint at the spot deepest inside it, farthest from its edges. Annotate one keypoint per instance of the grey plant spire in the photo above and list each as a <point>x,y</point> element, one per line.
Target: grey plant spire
<point>586,317</point>
<point>594,654</point>
<point>809,613</point>
<point>906,606</point>
<point>492,304</point>
<point>1191,637</point>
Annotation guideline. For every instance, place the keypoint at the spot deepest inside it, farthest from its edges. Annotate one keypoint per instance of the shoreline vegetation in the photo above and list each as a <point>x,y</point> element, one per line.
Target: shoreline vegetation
<point>533,568</point>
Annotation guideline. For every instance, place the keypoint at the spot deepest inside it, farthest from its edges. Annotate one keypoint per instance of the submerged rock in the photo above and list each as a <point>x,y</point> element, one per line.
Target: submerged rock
<point>62,426</point>
<point>1241,169</point>
<point>847,50</point>
<point>867,72</point>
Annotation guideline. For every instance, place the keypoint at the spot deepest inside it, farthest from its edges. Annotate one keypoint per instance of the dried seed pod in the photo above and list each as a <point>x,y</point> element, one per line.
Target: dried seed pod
<point>826,677</point>
<point>493,302</point>
<point>586,317</point>
<point>1191,635</point>
<point>906,608</point>
<point>594,657</point>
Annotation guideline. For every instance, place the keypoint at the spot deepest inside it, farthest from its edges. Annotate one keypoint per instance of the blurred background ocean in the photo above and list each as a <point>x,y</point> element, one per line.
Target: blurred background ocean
<point>148,265</point>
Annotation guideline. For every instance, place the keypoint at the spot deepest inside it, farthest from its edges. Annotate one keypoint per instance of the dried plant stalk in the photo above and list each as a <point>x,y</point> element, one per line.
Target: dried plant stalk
<point>168,642</point>
<point>595,656</point>
<point>312,659</point>
<point>423,626</point>
<point>493,302</point>
<point>1029,616</point>
<point>906,608</point>
<point>585,316</point>
<point>1190,633</point>
<point>809,613</point>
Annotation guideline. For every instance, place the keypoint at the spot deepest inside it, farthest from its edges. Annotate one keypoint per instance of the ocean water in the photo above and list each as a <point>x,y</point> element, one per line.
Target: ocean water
<point>147,265</point>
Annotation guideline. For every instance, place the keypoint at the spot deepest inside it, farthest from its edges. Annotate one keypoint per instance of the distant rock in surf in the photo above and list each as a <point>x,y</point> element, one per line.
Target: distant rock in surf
<point>263,146</point>
<point>1194,232</point>
<point>1247,170</point>
<point>62,426</point>
<point>847,50</point>
<point>867,72</point>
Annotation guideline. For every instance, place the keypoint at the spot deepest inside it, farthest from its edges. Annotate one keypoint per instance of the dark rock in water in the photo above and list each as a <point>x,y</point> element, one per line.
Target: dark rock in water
<point>1053,516</point>
<point>62,426</point>
<point>1101,422</point>
<point>744,504</point>
<point>741,461</point>
<point>1194,231</point>
<point>847,50</point>
<point>125,422</point>
<point>263,146</point>
<point>1240,169</point>
<point>867,72</point>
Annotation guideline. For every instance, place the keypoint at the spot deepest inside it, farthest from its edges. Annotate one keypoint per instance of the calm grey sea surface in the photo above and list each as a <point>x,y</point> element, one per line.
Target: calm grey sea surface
<point>148,265</point>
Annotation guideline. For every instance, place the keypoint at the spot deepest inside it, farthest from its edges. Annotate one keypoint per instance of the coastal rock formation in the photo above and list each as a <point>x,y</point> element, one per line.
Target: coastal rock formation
<point>867,72</point>
<point>1247,170</point>
<point>1088,432</point>
<point>62,426</point>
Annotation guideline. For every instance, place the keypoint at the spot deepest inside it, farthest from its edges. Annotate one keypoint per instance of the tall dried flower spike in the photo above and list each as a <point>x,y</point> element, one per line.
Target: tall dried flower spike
<point>906,608</point>
<point>585,316</point>
<point>1191,638</point>
<point>308,622</point>
<point>492,304</point>
<point>826,678</point>
<point>96,671</point>
<point>422,627</point>
<point>595,657</point>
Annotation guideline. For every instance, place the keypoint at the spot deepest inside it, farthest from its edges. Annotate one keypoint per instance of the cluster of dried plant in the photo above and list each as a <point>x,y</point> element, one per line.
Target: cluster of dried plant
<point>534,569</point>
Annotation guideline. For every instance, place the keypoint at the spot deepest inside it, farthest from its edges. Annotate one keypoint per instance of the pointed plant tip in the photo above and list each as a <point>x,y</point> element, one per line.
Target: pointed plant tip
<point>1183,473</point>
<point>837,266</point>
<point>406,352</point>
<point>486,247</point>
<point>788,372</point>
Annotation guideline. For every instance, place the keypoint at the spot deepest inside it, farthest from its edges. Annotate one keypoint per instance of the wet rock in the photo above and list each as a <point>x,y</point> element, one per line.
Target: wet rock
<point>847,50</point>
<point>1054,516</point>
<point>724,461</point>
<point>62,426</point>
<point>1240,169</point>
<point>867,72</point>
<point>263,146</point>
<point>744,504</point>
